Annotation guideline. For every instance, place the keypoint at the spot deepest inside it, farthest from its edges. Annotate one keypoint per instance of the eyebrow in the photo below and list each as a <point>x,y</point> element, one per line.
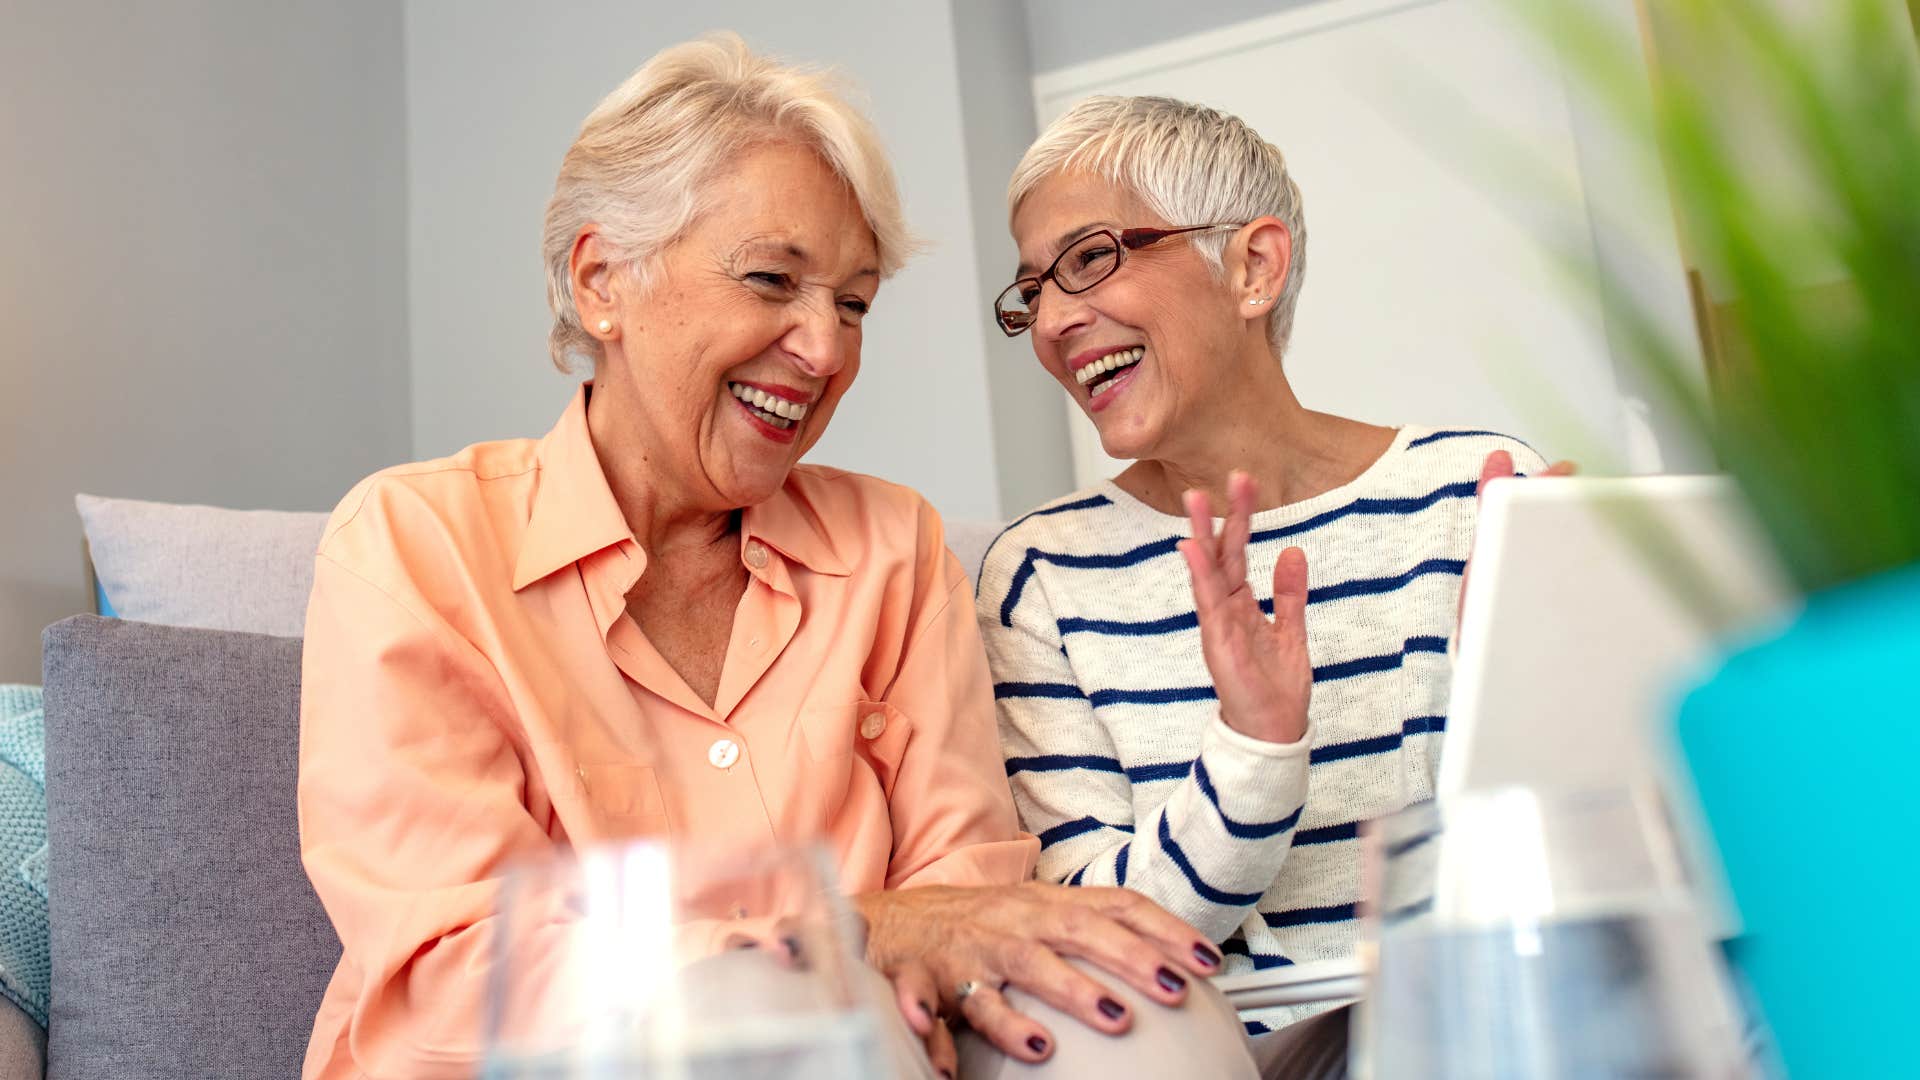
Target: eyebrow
<point>1066,239</point>
<point>776,247</point>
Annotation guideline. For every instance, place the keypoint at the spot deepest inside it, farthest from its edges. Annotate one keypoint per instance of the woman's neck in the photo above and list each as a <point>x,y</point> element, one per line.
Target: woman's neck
<point>664,521</point>
<point>665,528</point>
<point>1256,426</point>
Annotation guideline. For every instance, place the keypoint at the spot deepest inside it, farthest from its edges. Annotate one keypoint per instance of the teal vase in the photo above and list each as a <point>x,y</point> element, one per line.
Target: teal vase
<point>1805,750</point>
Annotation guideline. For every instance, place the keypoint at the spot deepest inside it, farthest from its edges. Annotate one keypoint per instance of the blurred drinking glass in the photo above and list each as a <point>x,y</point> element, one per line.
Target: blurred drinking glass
<point>644,963</point>
<point>1521,935</point>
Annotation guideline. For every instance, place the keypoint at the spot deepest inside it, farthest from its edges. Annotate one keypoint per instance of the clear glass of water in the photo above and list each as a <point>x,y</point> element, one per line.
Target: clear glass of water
<point>652,963</point>
<point>1520,935</point>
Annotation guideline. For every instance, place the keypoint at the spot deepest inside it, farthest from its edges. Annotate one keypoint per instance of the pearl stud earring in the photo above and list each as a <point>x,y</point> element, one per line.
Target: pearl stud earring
<point>606,326</point>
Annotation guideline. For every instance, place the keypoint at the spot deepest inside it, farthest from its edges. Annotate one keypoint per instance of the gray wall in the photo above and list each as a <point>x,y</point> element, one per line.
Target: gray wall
<point>201,269</point>
<point>495,92</point>
<point>997,112</point>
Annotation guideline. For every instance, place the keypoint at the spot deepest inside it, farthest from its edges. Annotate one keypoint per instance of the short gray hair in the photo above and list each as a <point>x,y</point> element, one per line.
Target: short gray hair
<point>644,156</point>
<point>1190,164</point>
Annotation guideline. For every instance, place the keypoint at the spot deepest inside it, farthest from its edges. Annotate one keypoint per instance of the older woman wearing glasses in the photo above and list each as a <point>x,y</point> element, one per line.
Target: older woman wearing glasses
<point>1161,731</point>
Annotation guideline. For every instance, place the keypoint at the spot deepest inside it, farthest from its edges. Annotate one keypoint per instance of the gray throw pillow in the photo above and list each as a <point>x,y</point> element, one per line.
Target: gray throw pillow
<point>186,939</point>
<point>247,570</point>
<point>969,540</point>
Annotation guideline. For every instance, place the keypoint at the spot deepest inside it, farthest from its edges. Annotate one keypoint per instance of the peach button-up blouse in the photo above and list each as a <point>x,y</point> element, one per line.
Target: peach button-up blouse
<point>474,689</point>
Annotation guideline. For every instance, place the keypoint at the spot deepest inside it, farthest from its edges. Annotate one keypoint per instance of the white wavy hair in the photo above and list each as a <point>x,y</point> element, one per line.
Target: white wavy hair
<point>640,166</point>
<point>1189,164</point>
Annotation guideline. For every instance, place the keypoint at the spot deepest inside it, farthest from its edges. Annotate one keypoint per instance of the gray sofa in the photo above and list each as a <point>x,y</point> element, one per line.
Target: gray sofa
<point>186,941</point>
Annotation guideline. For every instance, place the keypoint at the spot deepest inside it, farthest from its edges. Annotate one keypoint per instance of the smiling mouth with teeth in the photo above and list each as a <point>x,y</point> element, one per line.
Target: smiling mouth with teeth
<point>774,411</point>
<point>1098,376</point>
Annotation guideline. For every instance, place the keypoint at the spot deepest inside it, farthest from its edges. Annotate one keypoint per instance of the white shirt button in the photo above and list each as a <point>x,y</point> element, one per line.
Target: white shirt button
<point>873,725</point>
<point>756,555</point>
<point>723,753</point>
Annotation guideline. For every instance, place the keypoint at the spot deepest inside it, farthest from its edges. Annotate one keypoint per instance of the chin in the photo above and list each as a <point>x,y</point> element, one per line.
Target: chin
<point>756,487</point>
<point>1128,444</point>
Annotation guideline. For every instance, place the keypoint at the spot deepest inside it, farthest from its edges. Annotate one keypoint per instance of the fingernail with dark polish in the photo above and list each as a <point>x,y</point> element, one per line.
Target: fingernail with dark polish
<point>1207,955</point>
<point>1172,981</point>
<point>1036,1044</point>
<point>948,1073</point>
<point>925,1010</point>
<point>1112,1008</point>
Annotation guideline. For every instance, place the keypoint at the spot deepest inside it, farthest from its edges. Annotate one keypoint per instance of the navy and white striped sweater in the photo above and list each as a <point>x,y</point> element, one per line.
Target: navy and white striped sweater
<point>1115,750</point>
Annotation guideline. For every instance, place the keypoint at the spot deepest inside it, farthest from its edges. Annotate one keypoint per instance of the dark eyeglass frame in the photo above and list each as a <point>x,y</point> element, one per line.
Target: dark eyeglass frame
<point>1124,241</point>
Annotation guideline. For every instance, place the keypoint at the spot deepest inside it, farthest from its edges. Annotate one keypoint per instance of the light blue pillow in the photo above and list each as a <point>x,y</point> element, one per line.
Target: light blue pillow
<point>26,977</point>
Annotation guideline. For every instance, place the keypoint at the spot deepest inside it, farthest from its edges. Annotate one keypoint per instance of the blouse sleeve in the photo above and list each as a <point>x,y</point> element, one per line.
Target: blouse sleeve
<point>953,816</point>
<point>410,802</point>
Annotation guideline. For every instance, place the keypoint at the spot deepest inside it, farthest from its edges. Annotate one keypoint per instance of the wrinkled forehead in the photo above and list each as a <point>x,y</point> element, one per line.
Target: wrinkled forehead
<point>783,203</point>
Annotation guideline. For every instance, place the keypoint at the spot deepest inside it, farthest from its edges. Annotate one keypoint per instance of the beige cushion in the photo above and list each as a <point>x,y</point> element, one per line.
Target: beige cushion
<point>202,566</point>
<point>251,570</point>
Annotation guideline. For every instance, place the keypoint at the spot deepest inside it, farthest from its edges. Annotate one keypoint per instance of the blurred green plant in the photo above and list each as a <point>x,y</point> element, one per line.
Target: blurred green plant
<point>1816,409</point>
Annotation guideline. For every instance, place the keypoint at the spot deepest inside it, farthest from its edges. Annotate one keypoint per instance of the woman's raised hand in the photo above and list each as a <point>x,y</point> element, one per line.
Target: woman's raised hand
<point>1260,666</point>
<point>933,940</point>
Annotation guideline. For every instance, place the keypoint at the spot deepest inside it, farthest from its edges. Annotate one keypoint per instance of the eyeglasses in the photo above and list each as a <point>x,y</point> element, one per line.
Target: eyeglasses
<point>1087,262</point>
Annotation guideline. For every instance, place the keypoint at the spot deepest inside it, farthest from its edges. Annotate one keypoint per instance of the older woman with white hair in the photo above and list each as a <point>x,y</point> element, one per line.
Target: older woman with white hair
<point>1161,732</point>
<point>654,623</point>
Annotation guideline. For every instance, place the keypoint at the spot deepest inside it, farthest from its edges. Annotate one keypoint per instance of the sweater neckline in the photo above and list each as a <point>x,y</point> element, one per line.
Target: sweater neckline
<point>1286,513</point>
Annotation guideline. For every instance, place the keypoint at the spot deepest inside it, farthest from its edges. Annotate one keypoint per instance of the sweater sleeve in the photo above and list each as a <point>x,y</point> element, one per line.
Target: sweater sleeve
<point>1206,853</point>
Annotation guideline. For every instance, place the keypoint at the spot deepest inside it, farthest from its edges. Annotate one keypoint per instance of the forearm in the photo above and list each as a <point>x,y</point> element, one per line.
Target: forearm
<point>1214,848</point>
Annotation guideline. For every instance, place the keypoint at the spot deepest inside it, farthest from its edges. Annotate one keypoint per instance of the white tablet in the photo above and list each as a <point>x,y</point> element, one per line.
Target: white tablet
<point>1295,984</point>
<point>1592,605</point>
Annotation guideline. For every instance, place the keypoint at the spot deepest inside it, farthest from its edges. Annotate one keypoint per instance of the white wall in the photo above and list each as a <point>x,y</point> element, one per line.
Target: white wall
<point>496,91</point>
<point>1062,33</point>
<point>201,286</point>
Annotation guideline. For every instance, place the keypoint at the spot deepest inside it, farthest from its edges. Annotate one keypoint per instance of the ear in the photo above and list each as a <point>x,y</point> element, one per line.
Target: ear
<point>1259,257</point>
<point>590,272</point>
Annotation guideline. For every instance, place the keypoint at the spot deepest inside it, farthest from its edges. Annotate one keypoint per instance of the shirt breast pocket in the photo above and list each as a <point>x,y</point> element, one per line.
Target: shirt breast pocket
<point>865,736</point>
<point>626,799</point>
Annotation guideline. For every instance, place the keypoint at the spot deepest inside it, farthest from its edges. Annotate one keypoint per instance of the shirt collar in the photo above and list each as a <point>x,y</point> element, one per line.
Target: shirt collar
<point>575,515</point>
<point>574,512</point>
<point>789,523</point>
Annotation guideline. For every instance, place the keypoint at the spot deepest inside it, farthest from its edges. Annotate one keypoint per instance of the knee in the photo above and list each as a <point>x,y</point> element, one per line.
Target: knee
<point>1201,1037</point>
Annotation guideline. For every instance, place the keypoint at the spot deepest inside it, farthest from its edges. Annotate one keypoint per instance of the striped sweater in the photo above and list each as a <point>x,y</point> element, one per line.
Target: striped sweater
<point>1117,757</point>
